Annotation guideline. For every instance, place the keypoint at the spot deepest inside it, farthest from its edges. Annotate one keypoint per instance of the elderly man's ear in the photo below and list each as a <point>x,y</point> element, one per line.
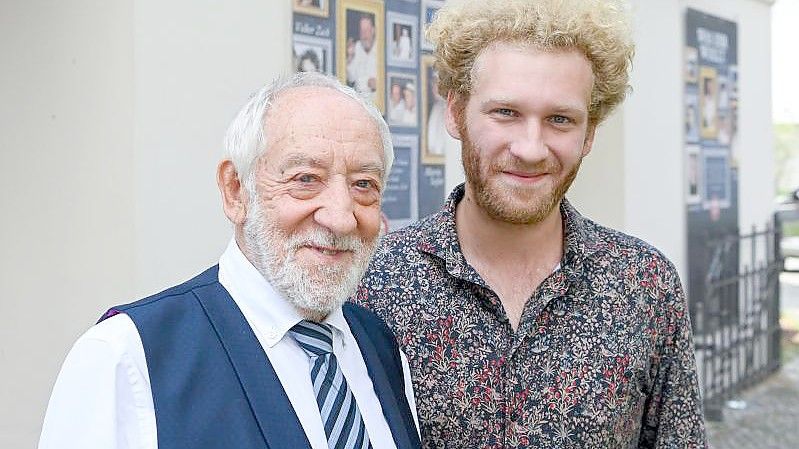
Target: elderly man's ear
<point>234,196</point>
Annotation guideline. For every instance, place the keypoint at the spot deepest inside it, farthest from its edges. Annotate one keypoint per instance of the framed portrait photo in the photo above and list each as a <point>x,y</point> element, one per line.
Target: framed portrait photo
<point>402,38</point>
<point>360,48</point>
<point>319,8</point>
<point>691,65</point>
<point>691,124</point>
<point>312,54</point>
<point>436,141</point>
<point>693,175</point>
<point>708,102</point>
<point>402,107</point>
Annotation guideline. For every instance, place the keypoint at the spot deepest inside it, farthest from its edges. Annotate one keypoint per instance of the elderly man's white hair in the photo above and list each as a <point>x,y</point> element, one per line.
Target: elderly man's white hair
<point>246,136</point>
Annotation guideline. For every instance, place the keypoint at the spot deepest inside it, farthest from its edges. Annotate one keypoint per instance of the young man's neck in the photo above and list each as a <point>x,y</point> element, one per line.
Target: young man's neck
<point>496,239</point>
<point>513,259</point>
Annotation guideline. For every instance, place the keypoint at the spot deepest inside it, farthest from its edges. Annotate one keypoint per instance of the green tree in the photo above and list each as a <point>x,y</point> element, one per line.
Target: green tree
<point>786,156</point>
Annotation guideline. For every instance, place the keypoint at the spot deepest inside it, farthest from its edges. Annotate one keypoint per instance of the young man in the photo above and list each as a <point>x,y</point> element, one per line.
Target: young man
<point>257,351</point>
<point>526,324</point>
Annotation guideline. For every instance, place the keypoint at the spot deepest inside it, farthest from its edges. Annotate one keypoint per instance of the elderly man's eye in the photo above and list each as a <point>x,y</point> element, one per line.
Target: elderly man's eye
<point>364,184</point>
<point>306,178</point>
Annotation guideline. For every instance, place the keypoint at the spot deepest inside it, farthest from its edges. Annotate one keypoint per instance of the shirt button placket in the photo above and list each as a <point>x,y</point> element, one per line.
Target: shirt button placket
<point>507,401</point>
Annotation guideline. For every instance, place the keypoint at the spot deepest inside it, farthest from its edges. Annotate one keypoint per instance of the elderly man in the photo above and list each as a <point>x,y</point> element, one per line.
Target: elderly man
<point>526,324</point>
<point>257,351</point>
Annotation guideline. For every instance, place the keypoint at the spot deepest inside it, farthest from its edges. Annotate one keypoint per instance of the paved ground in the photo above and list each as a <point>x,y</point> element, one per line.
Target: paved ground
<point>770,416</point>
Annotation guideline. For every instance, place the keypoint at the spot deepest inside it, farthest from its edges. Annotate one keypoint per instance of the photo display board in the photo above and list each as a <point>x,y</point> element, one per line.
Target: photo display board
<point>377,47</point>
<point>710,134</point>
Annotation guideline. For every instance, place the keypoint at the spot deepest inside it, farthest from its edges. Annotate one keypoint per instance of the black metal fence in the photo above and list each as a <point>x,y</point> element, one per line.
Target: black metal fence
<point>736,322</point>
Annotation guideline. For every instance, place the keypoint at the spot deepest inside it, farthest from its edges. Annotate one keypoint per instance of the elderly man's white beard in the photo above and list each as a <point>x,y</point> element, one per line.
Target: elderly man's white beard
<point>316,290</point>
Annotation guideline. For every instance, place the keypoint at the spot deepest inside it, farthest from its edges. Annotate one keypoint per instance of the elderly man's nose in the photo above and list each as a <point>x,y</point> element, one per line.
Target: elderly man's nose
<point>337,212</point>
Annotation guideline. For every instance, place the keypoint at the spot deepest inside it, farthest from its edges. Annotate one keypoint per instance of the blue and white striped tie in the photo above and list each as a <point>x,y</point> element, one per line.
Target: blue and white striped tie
<point>340,415</point>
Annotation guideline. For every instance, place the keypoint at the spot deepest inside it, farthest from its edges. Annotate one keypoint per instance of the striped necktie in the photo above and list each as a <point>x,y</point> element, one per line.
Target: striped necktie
<point>344,426</point>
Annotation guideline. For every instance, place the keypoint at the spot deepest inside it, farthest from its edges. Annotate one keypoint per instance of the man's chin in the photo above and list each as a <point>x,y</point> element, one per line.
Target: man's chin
<point>319,301</point>
<point>317,311</point>
<point>515,210</point>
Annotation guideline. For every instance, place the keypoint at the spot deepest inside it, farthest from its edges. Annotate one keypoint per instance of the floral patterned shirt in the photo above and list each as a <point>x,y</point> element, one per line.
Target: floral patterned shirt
<point>603,356</point>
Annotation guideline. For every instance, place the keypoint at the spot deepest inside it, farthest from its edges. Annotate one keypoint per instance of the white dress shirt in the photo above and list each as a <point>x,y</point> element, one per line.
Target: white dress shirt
<point>102,397</point>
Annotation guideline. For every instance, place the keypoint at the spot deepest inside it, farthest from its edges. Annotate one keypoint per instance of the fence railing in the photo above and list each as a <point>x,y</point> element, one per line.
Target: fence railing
<point>736,323</point>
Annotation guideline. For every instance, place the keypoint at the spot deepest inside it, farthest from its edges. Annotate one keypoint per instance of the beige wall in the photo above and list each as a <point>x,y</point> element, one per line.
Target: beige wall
<point>654,209</point>
<point>598,192</point>
<point>111,125</point>
<point>195,65</point>
<point>66,148</point>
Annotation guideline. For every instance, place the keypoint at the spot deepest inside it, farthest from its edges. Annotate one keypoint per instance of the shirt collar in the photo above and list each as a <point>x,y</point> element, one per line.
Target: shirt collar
<point>266,309</point>
<point>440,238</point>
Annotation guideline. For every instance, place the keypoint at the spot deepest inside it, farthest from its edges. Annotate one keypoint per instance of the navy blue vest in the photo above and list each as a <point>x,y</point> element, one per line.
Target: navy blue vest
<point>213,386</point>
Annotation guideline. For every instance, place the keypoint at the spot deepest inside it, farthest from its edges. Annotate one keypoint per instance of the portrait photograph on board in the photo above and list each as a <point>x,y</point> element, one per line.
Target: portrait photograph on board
<point>708,102</point>
<point>691,65</point>
<point>319,8</point>
<point>360,46</point>
<point>312,54</point>
<point>401,36</point>
<point>401,107</point>
<point>693,175</point>
<point>691,115</point>
<point>436,141</point>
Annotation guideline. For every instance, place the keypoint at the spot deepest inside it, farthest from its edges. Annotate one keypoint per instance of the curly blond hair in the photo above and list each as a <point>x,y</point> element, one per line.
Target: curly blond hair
<point>599,29</point>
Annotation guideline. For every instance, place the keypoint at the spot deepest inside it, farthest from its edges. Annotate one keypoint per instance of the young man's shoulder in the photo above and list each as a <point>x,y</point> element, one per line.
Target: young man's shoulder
<point>623,254</point>
<point>404,264</point>
<point>410,240</point>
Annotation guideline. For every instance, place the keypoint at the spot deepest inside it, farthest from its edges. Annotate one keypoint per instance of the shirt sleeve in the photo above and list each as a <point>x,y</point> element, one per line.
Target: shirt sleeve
<point>102,398</point>
<point>673,417</point>
<point>409,395</point>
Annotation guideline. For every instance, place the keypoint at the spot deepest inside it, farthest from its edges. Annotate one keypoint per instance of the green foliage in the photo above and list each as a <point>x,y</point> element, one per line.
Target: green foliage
<point>790,229</point>
<point>786,156</point>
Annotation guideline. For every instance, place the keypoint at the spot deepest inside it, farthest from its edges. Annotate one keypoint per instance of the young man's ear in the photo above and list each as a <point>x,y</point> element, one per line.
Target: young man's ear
<point>234,196</point>
<point>589,139</point>
<point>455,110</point>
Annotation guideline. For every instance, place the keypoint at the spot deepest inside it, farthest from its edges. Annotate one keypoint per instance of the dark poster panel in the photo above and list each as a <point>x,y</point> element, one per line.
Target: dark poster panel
<point>399,198</point>
<point>431,189</point>
<point>711,171</point>
<point>376,47</point>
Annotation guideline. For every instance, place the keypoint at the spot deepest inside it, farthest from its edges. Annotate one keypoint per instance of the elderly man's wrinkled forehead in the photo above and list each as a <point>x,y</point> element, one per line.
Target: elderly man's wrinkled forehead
<point>315,105</point>
<point>321,119</point>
